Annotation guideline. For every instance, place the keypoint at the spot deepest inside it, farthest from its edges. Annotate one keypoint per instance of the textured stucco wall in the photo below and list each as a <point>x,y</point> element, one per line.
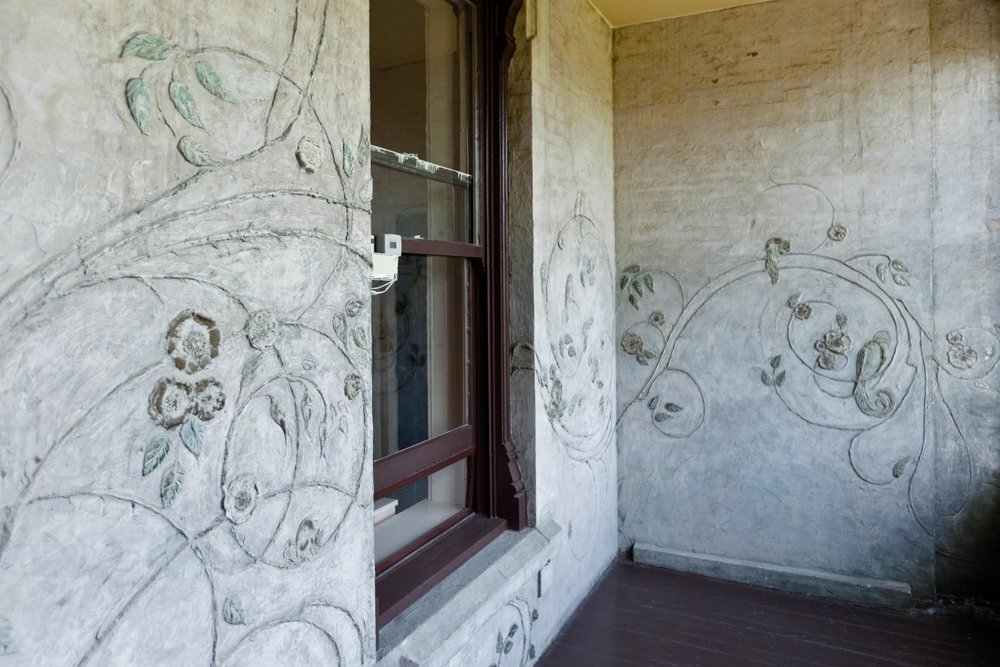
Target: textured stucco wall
<point>185,364</point>
<point>807,316</point>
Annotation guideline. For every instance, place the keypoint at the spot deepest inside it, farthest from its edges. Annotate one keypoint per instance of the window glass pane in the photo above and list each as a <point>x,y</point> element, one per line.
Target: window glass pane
<point>420,79</point>
<point>411,205</point>
<point>419,351</point>
<point>405,515</point>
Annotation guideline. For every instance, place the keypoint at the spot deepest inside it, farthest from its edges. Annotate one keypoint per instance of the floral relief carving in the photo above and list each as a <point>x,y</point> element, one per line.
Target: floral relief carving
<point>209,486</point>
<point>192,341</point>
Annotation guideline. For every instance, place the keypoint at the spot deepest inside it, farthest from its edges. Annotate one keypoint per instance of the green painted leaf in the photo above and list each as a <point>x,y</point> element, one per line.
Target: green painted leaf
<point>642,359</point>
<point>632,268</point>
<point>637,286</point>
<point>364,148</point>
<point>899,467</point>
<point>672,407</point>
<point>348,160</point>
<point>367,190</point>
<point>196,154</point>
<point>139,101</point>
<point>648,281</point>
<point>156,451</point>
<point>210,81</point>
<point>653,402</point>
<point>841,320</point>
<point>170,485</point>
<point>897,265</point>
<point>900,279</point>
<point>180,95</point>
<point>775,361</point>
<point>779,379</point>
<point>634,300</point>
<point>192,435</point>
<point>662,417</point>
<point>882,271</point>
<point>625,281</point>
<point>766,379</point>
<point>772,269</point>
<point>794,299</point>
<point>146,45</point>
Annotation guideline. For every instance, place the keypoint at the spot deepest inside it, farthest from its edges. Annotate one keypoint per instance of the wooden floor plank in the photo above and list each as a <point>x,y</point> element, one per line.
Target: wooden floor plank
<point>639,615</point>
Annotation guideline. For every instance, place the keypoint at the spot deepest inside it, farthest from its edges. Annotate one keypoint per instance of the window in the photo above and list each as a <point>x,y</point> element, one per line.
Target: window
<point>446,479</point>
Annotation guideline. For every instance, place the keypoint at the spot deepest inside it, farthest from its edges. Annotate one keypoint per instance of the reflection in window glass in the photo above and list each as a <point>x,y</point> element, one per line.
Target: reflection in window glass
<point>419,365</point>
<point>420,79</point>
<point>407,514</point>
<point>411,205</point>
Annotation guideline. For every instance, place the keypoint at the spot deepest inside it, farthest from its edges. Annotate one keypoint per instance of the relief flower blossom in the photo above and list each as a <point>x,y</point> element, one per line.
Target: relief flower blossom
<point>633,343</point>
<point>261,329</point>
<point>192,341</point>
<point>240,499</point>
<point>802,311</point>
<point>962,357</point>
<point>169,402</point>
<point>208,399</point>
<point>837,341</point>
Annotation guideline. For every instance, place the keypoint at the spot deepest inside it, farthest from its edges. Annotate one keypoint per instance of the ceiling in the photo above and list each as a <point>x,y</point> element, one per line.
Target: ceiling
<point>627,12</point>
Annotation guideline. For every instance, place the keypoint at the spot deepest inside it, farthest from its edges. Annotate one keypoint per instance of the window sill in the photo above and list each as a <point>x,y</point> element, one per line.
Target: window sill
<point>431,629</point>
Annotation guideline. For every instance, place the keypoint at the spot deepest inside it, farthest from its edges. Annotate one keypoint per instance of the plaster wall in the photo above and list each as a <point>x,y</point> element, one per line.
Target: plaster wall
<point>185,470</point>
<point>807,324</point>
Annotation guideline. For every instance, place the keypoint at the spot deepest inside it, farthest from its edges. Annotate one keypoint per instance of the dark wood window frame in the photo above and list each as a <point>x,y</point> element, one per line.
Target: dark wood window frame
<point>498,500</point>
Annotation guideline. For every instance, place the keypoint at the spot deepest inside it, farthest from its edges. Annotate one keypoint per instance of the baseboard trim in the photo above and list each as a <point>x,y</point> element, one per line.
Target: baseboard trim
<point>871,592</point>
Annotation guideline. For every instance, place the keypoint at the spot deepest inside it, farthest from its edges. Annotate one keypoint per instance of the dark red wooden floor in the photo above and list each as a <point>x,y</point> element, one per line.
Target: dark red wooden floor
<point>648,616</point>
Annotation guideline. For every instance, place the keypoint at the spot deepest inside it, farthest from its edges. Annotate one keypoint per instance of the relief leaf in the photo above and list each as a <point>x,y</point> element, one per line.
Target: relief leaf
<point>672,407</point>
<point>648,355</point>
<point>766,379</point>
<point>277,414</point>
<point>648,280</point>
<point>156,451</point>
<point>180,95</point>
<point>900,280</point>
<point>642,359</point>
<point>348,160</point>
<point>632,268</point>
<point>306,406</point>
<point>192,435</point>
<point>637,286</point>
<point>210,81</point>
<point>232,613</point>
<point>775,361</point>
<point>897,265</point>
<point>899,467</point>
<point>364,148</point>
<point>779,379</point>
<point>794,299</point>
<point>195,153</point>
<point>772,269</point>
<point>882,271</point>
<point>662,417</point>
<point>625,281</point>
<point>340,325</point>
<point>367,191</point>
<point>170,485</point>
<point>139,101</point>
<point>250,367</point>
<point>146,45</point>
<point>841,320</point>
<point>634,300</point>
<point>653,402</point>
